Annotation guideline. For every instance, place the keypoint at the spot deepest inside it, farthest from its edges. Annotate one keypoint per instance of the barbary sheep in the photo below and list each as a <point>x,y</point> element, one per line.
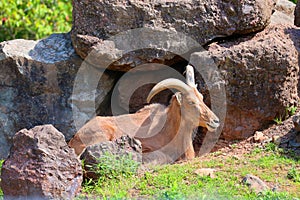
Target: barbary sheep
<point>167,130</point>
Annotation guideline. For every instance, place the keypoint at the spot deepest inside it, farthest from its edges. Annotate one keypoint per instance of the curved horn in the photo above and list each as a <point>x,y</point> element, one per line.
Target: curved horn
<point>168,84</point>
<point>190,80</point>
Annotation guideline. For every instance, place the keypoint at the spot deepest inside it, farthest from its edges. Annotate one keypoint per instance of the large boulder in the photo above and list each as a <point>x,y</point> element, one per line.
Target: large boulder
<point>41,166</point>
<point>96,21</point>
<point>260,73</point>
<point>37,79</point>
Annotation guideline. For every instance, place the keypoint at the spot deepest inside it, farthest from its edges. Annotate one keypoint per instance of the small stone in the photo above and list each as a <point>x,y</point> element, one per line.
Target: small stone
<point>294,143</point>
<point>276,139</point>
<point>206,172</point>
<point>255,183</point>
<point>259,136</point>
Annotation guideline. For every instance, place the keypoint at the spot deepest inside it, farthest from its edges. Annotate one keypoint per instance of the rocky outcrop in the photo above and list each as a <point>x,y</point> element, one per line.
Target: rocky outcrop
<point>260,74</point>
<point>297,14</point>
<point>37,79</point>
<point>96,21</point>
<point>122,148</point>
<point>41,166</point>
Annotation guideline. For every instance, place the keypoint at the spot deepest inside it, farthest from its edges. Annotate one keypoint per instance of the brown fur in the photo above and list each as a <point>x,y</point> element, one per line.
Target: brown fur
<point>165,130</point>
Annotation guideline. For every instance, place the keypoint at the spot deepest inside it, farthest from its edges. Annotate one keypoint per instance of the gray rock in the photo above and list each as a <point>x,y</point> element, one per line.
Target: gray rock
<point>296,121</point>
<point>96,21</point>
<point>259,74</point>
<point>255,183</point>
<point>297,14</point>
<point>41,166</point>
<point>121,147</point>
<point>36,85</point>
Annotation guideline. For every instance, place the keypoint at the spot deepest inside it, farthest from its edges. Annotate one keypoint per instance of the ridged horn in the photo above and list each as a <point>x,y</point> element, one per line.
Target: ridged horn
<point>190,80</point>
<point>170,83</point>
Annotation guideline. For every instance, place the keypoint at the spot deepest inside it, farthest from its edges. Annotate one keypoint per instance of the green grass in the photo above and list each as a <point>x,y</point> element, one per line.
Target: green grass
<point>118,178</point>
<point>278,120</point>
<point>1,193</point>
<point>179,181</point>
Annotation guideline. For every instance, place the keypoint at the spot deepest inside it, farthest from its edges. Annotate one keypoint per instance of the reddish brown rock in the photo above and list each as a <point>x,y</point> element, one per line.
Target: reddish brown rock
<point>261,78</point>
<point>96,21</point>
<point>41,166</point>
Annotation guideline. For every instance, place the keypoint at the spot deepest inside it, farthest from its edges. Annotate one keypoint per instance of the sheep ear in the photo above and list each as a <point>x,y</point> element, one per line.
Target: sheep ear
<point>178,96</point>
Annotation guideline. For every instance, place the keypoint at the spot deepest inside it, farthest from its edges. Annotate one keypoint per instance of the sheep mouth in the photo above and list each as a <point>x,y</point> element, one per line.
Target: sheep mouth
<point>212,127</point>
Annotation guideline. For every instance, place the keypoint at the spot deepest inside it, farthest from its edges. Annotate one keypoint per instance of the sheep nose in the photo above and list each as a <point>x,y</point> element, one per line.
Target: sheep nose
<point>216,121</point>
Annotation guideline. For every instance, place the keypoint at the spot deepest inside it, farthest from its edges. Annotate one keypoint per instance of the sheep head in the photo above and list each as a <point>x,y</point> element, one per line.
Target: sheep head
<point>190,100</point>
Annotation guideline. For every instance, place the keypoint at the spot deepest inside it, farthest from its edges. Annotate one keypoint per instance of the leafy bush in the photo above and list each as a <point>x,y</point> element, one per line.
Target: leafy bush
<point>112,166</point>
<point>34,19</point>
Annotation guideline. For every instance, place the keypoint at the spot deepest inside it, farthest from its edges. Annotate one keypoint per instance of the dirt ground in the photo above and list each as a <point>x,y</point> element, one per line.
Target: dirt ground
<point>284,135</point>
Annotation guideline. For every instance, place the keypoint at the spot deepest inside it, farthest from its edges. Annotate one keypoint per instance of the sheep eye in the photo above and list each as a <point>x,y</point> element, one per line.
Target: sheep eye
<point>191,103</point>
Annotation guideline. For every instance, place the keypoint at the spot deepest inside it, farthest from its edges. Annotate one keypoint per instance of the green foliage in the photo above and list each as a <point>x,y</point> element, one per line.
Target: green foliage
<point>111,170</point>
<point>179,181</point>
<point>271,147</point>
<point>294,1</point>
<point>291,110</point>
<point>274,196</point>
<point>34,19</point>
<point>294,175</point>
<point>112,166</point>
<point>1,163</point>
<point>278,120</point>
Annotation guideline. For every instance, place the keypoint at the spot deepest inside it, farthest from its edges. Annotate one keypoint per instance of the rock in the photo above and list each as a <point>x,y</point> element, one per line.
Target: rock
<point>285,6</point>
<point>281,18</point>
<point>41,166</point>
<point>259,137</point>
<point>124,146</point>
<point>284,12</point>
<point>37,79</point>
<point>259,74</point>
<point>206,172</point>
<point>96,21</point>
<point>255,183</point>
<point>297,14</point>
<point>133,88</point>
<point>294,143</point>
<point>296,121</point>
<point>276,139</point>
